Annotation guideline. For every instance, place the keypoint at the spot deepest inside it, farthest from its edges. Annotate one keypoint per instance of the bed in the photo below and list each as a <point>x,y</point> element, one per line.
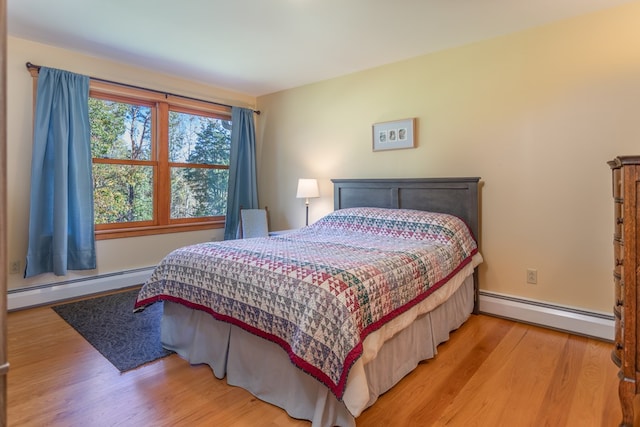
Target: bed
<point>322,321</point>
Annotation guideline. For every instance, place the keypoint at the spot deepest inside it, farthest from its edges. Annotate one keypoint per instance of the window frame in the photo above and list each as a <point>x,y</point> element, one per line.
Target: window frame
<point>170,164</point>
<point>153,162</point>
<point>162,104</point>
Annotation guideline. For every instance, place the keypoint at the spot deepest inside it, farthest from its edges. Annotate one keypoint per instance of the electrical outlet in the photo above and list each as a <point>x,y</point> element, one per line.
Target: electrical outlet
<point>14,267</point>
<point>532,276</point>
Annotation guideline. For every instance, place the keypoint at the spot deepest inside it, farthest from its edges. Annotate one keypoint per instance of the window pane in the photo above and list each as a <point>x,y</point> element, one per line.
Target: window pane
<point>198,139</point>
<point>198,192</point>
<point>122,193</point>
<point>119,130</point>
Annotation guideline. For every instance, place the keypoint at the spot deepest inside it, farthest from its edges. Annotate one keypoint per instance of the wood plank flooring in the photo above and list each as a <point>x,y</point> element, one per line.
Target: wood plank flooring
<point>492,372</point>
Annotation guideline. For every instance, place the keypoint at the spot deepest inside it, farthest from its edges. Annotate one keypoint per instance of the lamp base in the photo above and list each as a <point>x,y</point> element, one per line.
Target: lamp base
<point>307,220</point>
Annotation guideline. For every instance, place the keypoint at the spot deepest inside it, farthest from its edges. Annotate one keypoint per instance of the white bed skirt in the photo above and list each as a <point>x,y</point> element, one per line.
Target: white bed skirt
<point>264,369</point>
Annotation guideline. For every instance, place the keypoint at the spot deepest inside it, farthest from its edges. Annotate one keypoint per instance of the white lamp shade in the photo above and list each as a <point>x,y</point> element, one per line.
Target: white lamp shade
<point>307,188</point>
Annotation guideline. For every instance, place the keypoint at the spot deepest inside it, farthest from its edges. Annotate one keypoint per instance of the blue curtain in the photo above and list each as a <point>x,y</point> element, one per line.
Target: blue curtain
<point>243,180</point>
<point>61,229</point>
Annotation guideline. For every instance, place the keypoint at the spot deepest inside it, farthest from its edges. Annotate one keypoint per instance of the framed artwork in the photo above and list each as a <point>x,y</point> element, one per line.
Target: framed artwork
<point>394,135</point>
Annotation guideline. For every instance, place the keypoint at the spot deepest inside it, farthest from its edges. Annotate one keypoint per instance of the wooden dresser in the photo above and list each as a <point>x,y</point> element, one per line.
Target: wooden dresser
<point>626,273</point>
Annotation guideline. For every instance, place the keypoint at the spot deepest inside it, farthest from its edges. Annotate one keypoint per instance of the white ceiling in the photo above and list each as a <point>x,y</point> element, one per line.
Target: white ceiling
<point>258,47</point>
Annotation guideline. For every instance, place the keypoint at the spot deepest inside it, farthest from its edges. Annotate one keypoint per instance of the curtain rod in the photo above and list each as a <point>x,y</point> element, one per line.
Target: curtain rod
<point>37,67</point>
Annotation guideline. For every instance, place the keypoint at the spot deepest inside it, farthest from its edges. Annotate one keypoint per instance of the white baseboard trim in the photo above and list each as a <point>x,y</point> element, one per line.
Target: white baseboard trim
<point>580,322</point>
<point>49,293</point>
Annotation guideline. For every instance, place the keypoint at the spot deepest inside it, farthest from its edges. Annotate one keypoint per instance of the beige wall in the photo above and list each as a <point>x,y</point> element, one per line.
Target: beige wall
<point>113,255</point>
<point>535,114</point>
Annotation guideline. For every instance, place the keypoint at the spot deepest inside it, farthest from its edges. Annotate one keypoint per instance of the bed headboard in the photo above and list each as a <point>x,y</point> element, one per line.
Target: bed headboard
<point>456,196</point>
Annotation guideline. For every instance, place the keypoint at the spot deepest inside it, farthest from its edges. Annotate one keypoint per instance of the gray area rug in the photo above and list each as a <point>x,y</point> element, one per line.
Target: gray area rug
<point>125,338</point>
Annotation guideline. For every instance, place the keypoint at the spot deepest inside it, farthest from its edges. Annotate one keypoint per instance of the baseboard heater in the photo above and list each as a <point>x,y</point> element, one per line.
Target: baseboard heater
<point>576,321</point>
<point>581,322</point>
<point>34,296</point>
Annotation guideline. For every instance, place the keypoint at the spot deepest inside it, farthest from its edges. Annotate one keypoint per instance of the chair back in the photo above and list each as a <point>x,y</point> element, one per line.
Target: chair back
<point>253,223</point>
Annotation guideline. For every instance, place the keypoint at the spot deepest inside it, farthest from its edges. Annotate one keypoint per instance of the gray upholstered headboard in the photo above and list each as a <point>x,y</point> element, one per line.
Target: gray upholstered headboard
<point>456,196</point>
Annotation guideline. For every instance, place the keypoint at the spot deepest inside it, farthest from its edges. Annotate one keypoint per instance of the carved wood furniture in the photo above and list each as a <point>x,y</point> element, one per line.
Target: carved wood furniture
<point>626,351</point>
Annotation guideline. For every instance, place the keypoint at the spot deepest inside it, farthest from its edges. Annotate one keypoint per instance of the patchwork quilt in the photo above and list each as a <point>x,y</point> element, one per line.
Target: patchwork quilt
<point>320,291</point>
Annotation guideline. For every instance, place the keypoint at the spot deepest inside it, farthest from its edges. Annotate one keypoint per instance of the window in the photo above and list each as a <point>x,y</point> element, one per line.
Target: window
<point>160,163</point>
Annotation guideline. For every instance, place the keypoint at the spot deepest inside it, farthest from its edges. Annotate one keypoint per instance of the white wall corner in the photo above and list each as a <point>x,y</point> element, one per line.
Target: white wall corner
<point>576,321</point>
<point>50,293</point>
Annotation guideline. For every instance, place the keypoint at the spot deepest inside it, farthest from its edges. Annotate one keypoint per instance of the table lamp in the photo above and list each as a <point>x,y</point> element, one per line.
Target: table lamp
<point>307,189</point>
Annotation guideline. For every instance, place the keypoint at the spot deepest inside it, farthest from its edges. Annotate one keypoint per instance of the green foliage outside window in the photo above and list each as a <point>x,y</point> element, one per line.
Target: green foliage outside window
<point>198,192</point>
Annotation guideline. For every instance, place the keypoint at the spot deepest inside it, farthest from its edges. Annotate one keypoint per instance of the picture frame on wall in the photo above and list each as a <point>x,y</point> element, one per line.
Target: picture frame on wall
<point>394,135</point>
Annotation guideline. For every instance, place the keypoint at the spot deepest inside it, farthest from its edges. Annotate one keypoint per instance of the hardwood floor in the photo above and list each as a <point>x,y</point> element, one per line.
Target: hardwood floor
<point>492,372</point>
